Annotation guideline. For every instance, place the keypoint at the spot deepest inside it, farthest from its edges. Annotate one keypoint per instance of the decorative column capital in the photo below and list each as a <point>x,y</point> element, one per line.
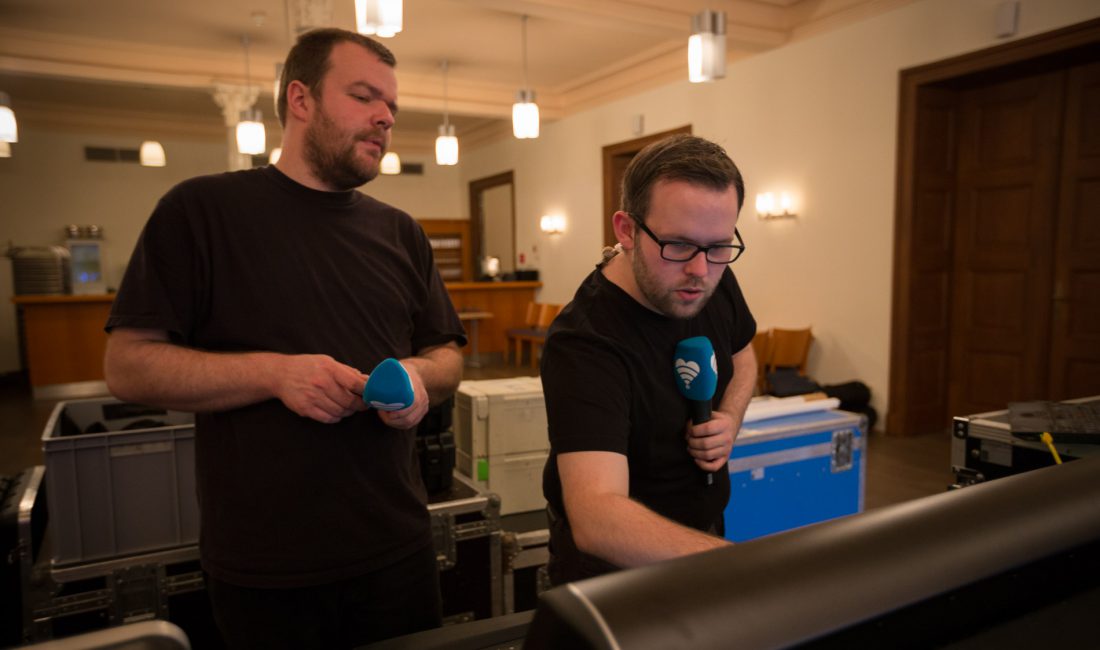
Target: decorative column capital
<point>234,98</point>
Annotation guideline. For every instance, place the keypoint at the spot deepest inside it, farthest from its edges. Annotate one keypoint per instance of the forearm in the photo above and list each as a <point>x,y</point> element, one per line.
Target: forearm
<point>624,532</point>
<point>739,391</point>
<point>440,368</point>
<point>163,374</point>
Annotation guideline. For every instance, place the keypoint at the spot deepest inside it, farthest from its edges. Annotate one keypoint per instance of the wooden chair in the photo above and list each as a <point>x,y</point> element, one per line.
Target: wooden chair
<point>547,314</point>
<point>788,349</point>
<point>534,334</point>
<point>515,334</point>
<point>760,343</point>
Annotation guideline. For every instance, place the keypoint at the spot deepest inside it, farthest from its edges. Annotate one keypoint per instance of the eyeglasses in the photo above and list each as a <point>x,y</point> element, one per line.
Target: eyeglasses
<point>680,251</point>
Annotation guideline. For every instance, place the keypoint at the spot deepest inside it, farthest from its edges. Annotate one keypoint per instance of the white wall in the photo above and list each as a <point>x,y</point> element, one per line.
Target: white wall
<point>437,194</point>
<point>818,118</point>
<point>48,184</point>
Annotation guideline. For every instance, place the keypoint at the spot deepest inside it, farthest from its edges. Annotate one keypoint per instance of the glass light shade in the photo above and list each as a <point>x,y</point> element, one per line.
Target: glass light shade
<point>9,130</point>
<point>251,138</point>
<point>707,47</point>
<point>391,164</point>
<point>525,116</point>
<point>786,203</point>
<point>446,146</point>
<point>695,58</point>
<point>5,149</point>
<point>706,57</point>
<point>152,154</point>
<point>276,154</point>
<point>382,18</point>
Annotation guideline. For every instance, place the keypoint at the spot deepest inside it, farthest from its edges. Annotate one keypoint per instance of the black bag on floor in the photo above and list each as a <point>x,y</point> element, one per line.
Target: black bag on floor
<point>786,382</point>
<point>854,396</point>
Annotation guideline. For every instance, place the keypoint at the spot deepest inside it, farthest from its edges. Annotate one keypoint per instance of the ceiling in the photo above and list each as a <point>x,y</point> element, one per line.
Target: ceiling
<point>142,61</point>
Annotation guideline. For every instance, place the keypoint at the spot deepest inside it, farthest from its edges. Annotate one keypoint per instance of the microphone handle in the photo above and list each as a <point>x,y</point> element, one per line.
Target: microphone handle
<point>700,413</point>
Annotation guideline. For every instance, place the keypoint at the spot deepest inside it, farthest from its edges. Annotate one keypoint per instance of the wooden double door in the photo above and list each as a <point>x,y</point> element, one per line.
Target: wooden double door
<point>1026,254</point>
<point>1003,266</point>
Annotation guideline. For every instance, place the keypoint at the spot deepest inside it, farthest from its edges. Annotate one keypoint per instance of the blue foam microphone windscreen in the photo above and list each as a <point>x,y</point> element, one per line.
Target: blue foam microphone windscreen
<point>388,387</point>
<point>696,371</point>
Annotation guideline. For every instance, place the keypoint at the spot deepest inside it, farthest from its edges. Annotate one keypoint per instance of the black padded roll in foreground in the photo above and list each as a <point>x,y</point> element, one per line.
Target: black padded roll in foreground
<point>1017,558</point>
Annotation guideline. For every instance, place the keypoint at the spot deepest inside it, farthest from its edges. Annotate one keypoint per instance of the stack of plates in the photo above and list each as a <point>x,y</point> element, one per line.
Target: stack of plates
<point>40,269</point>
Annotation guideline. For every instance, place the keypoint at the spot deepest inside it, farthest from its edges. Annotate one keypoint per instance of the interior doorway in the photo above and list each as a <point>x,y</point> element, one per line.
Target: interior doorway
<point>997,238</point>
<point>615,159</point>
<point>493,222</point>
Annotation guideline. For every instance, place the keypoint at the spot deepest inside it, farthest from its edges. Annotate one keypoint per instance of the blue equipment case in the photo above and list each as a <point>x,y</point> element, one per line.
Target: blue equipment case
<point>795,470</point>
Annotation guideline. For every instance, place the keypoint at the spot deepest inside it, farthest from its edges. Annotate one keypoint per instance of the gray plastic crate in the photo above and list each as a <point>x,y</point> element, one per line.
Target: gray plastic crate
<point>118,492</point>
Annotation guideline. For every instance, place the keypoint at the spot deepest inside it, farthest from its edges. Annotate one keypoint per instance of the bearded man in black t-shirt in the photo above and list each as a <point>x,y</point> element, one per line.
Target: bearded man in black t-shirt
<point>628,479</point>
<point>258,299</point>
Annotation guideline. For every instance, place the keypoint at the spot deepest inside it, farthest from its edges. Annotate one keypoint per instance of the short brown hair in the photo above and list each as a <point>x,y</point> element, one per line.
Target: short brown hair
<point>308,61</point>
<point>679,158</point>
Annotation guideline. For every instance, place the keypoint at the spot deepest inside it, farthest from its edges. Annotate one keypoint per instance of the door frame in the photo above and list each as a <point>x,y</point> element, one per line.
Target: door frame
<point>611,188</point>
<point>911,82</point>
<point>477,188</point>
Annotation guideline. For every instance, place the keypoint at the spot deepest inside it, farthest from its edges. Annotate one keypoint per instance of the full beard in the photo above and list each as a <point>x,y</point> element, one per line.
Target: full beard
<point>335,162</point>
<point>665,300</point>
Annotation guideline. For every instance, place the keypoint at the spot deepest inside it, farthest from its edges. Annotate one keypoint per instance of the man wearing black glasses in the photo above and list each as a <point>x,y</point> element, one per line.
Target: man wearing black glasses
<point>625,477</point>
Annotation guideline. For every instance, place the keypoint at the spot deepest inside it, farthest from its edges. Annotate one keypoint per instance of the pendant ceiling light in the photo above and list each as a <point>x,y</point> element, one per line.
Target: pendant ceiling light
<point>391,164</point>
<point>446,145</point>
<point>525,112</point>
<point>251,137</point>
<point>152,154</point>
<point>380,18</point>
<point>9,130</point>
<point>707,46</point>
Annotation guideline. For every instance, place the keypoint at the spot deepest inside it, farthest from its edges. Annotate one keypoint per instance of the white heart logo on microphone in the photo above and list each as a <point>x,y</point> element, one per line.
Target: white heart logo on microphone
<point>688,371</point>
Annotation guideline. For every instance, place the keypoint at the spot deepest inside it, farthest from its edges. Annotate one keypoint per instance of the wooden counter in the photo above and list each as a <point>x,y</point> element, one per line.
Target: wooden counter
<point>65,342</point>
<point>506,301</point>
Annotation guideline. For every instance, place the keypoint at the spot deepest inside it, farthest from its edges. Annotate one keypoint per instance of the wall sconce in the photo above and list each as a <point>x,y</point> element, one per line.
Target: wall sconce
<point>552,224</point>
<point>766,207</point>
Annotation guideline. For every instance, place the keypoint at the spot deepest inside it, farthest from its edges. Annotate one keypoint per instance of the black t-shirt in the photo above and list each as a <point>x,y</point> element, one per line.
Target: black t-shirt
<point>253,261</point>
<point>609,383</point>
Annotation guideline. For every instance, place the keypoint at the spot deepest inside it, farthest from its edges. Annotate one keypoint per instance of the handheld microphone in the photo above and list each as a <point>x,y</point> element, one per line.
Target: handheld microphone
<point>389,387</point>
<point>696,370</point>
